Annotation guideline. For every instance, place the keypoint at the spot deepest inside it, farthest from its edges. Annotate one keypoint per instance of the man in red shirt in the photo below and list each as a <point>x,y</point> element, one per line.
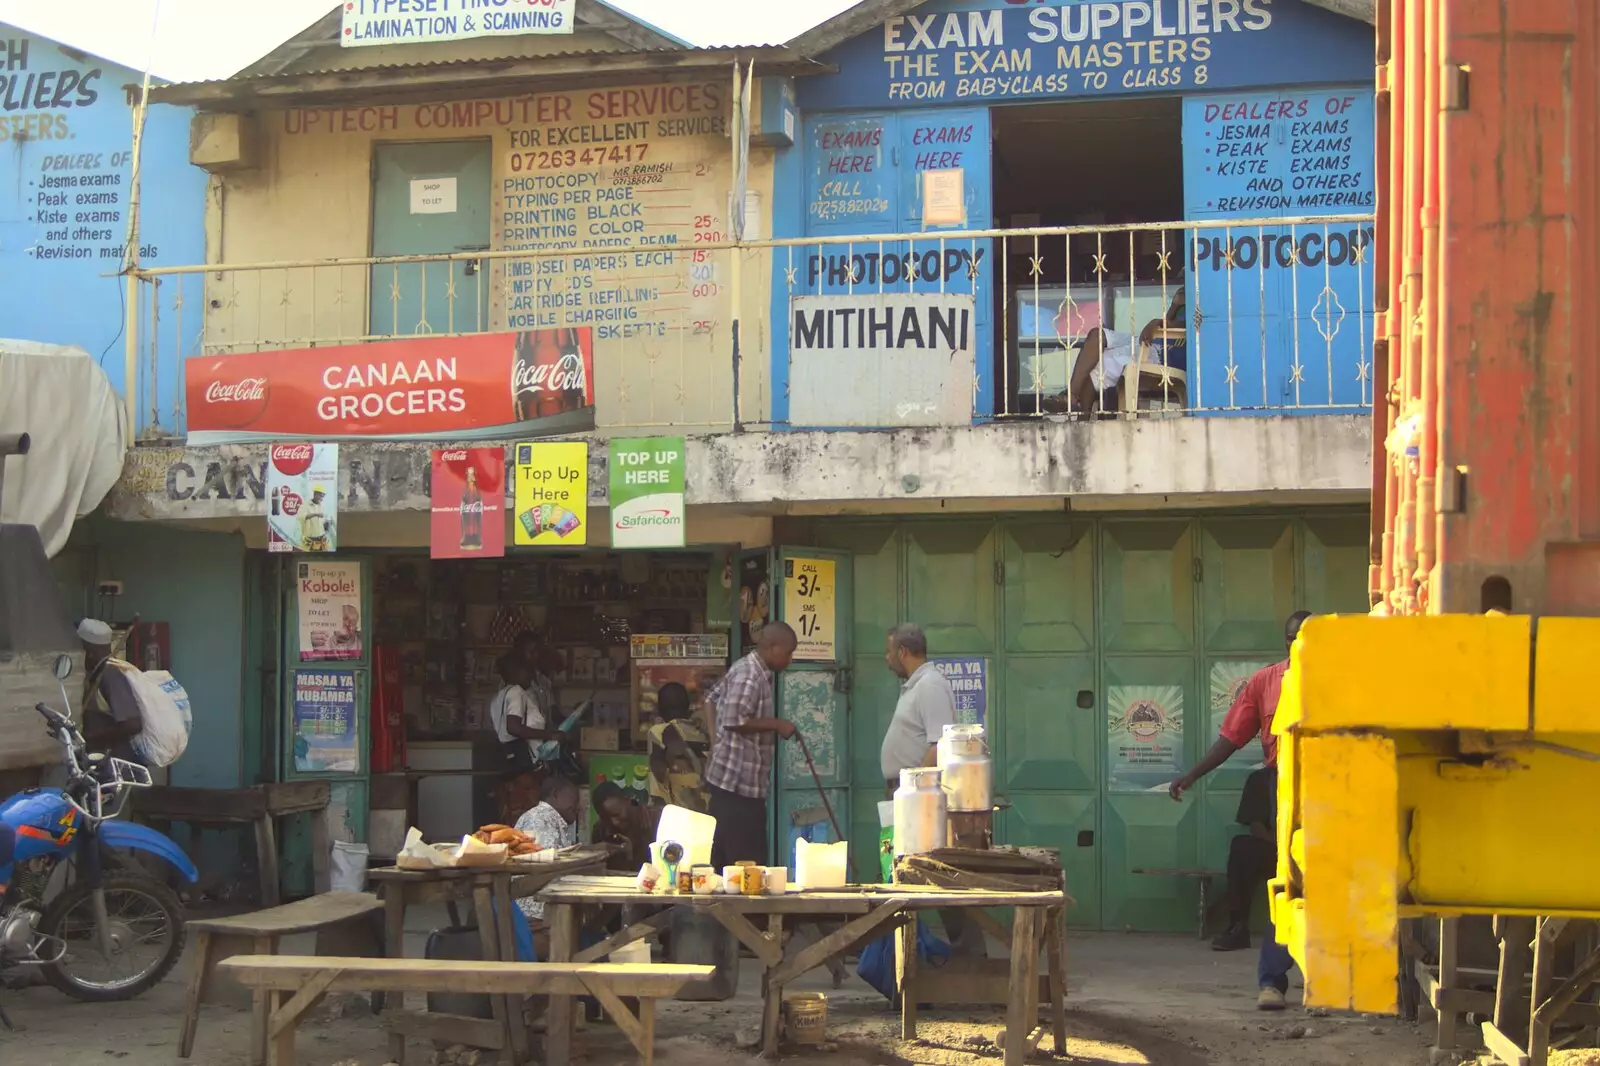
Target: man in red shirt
<point>1252,856</point>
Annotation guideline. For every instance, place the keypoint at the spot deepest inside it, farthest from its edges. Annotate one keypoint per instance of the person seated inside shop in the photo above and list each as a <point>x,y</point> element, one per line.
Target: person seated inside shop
<point>678,750</point>
<point>551,821</point>
<point>1104,355</point>
<point>624,823</point>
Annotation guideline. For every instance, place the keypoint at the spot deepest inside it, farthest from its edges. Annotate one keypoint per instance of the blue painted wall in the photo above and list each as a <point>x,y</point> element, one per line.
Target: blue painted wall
<point>66,130</point>
<point>1299,297</point>
<point>1301,320</point>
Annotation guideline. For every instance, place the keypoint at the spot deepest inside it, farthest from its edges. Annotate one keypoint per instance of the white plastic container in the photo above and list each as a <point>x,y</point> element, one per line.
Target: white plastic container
<point>820,865</point>
<point>965,768</point>
<point>691,829</point>
<point>919,812</point>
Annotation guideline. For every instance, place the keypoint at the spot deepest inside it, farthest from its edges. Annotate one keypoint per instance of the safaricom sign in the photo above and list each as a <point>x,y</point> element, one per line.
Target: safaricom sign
<point>1033,49</point>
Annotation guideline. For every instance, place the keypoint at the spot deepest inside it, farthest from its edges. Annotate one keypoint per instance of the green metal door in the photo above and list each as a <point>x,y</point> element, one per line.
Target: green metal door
<point>814,592</point>
<point>1147,587</point>
<point>307,721</point>
<point>1045,732</point>
<point>430,198</point>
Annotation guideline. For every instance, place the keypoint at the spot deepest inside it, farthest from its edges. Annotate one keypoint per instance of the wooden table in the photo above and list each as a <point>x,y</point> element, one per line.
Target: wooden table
<point>867,911</point>
<point>260,806</point>
<point>491,891</point>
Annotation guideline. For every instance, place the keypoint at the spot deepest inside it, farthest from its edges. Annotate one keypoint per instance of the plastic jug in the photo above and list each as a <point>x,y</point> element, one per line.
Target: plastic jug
<point>691,829</point>
<point>820,865</point>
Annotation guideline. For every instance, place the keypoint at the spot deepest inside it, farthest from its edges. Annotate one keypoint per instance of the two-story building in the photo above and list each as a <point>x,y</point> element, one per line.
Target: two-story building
<point>68,188</point>
<point>1046,326</point>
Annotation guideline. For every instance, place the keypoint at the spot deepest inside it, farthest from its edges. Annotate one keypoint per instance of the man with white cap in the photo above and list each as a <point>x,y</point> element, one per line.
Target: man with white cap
<point>111,716</point>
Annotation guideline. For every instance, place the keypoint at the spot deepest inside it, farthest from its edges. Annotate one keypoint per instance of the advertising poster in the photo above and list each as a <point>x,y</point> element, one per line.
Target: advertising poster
<point>755,598</point>
<point>1145,741</point>
<point>1227,680</point>
<point>378,22</point>
<point>325,735</point>
<point>329,603</point>
<point>647,481</point>
<point>552,494</point>
<point>808,598</point>
<point>464,386</point>
<point>302,497</point>
<point>468,496</point>
<point>969,679</point>
<point>631,773</point>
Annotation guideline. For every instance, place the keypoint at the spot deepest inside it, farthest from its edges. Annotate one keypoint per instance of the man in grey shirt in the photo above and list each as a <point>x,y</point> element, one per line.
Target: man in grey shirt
<point>925,707</point>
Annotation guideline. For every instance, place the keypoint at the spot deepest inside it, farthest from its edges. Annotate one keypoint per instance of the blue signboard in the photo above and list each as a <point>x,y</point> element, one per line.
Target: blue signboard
<point>969,678</point>
<point>1280,315</point>
<point>325,730</point>
<point>963,52</point>
<point>863,174</point>
<point>66,167</point>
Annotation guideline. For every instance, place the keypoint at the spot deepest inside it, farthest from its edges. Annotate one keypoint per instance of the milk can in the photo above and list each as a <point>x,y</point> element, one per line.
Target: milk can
<point>966,771</point>
<point>919,812</point>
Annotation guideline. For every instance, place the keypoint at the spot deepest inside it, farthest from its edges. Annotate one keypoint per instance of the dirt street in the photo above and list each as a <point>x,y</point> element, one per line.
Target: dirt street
<point>1161,1001</point>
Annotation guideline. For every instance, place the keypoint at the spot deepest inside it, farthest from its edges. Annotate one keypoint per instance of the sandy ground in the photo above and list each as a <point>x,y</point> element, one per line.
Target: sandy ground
<point>1132,999</point>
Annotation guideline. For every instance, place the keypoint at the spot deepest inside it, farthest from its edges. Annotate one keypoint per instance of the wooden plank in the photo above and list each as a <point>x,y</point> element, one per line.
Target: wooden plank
<point>296,797</point>
<point>260,1003</point>
<point>763,947</point>
<point>281,1050</point>
<point>200,964</point>
<point>267,860</point>
<point>321,851</point>
<point>1503,1047</point>
<point>910,985</point>
<point>814,955</point>
<point>288,1015</point>
<point>621,1015</point>
<point>450,1028</point>
<point>462,975</point>
<point>489,944</point>
<point>1022,1014</point>
<point>771,994</point>
<point>824,903</point>
<point>636,931</point>
<point>301,916</point>
<point>1056,994</point>
<point>517,1032</point>
<point>558,1020</point>
<point>211,806</point>
<point>394,943</point>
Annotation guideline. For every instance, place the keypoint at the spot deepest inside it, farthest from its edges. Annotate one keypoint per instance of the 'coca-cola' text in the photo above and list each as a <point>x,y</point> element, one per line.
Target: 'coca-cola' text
<point>566,375</point>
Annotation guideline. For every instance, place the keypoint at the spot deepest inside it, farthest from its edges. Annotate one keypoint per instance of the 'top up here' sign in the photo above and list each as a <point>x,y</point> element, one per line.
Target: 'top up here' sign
<point>647,482</point>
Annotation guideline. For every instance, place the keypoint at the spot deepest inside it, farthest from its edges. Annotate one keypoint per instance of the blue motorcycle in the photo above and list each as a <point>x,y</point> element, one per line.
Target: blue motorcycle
<point>98,927</point>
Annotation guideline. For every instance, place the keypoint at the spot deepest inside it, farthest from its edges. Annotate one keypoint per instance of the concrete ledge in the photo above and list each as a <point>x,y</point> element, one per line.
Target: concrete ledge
<point>1161,462</point>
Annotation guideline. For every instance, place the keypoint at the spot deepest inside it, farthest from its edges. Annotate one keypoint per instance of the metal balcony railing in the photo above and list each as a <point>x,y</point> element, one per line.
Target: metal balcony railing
<point>1152,320</point>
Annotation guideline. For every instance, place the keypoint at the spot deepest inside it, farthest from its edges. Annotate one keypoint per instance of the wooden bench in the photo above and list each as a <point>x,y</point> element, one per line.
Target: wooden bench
<point>346,923</point>
<point>1203,879</point>
<point>296,983</point>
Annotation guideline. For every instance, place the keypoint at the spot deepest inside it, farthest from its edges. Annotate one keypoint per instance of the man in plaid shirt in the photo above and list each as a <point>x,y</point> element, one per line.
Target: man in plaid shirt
<point>741,755</point>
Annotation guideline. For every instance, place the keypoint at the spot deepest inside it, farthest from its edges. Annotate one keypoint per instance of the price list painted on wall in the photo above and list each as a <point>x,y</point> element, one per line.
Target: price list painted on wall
<point>637,169</point>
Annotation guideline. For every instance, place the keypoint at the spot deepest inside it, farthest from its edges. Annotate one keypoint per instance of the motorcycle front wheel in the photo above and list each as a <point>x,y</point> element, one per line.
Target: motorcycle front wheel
<point>146,931</point>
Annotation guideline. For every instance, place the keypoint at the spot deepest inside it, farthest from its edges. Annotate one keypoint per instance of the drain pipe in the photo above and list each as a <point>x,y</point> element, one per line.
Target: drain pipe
<point>11,444</point>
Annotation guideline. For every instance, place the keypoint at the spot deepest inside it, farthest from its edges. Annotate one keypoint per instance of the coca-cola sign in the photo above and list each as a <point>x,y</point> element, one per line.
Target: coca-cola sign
<point>414,387</point>
<point>291,460</point>
<point>250,390</point>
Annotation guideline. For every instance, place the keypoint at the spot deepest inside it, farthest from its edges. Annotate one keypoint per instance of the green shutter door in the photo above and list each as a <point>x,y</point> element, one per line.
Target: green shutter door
<point>1147,712</point>
<point>950,585</point>
<point>1336,561</point>
<point>1046,737</point>
<point>875,553</point>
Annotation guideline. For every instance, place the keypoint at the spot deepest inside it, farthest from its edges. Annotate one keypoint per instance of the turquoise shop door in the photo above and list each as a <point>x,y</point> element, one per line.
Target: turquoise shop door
<point>813,590</point>
<point>430,198</point>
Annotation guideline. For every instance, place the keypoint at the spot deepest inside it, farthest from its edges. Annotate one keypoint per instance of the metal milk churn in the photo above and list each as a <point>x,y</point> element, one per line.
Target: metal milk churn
<point>965,768</point>
<point>919,812</point>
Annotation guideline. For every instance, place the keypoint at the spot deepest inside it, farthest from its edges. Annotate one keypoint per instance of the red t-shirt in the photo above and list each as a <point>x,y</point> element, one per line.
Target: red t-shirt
<point>1252,711</point>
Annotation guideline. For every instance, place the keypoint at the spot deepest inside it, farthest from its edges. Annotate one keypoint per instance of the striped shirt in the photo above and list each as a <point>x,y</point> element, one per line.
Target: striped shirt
<point>741,763</point>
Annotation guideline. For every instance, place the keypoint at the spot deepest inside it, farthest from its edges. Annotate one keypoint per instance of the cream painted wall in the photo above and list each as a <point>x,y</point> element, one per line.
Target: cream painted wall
<point>310,198</point>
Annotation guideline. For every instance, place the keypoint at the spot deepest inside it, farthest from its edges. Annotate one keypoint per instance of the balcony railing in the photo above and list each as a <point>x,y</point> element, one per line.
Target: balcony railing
<point>869,330</point>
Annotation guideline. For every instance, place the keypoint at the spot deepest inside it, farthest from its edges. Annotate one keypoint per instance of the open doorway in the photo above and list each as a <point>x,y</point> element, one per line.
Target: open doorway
<point>1097,163</point>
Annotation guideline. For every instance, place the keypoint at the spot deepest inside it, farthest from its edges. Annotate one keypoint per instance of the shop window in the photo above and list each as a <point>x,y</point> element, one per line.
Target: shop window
<point>1113,164</point>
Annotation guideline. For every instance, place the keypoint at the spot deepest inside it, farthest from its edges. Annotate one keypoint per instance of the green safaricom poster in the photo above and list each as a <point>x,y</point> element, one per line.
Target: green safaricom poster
<point>647,479</point>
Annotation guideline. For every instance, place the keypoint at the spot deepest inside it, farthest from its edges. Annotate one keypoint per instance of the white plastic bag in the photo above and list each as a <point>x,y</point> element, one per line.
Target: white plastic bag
<point>348,870</point>
<point>164,710</point>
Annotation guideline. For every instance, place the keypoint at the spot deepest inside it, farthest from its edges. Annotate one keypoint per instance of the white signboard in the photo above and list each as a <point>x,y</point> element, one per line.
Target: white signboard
<point>372,22</point>
<point>882,359</point>
<point>944,200</point>
<point>433,196</point>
